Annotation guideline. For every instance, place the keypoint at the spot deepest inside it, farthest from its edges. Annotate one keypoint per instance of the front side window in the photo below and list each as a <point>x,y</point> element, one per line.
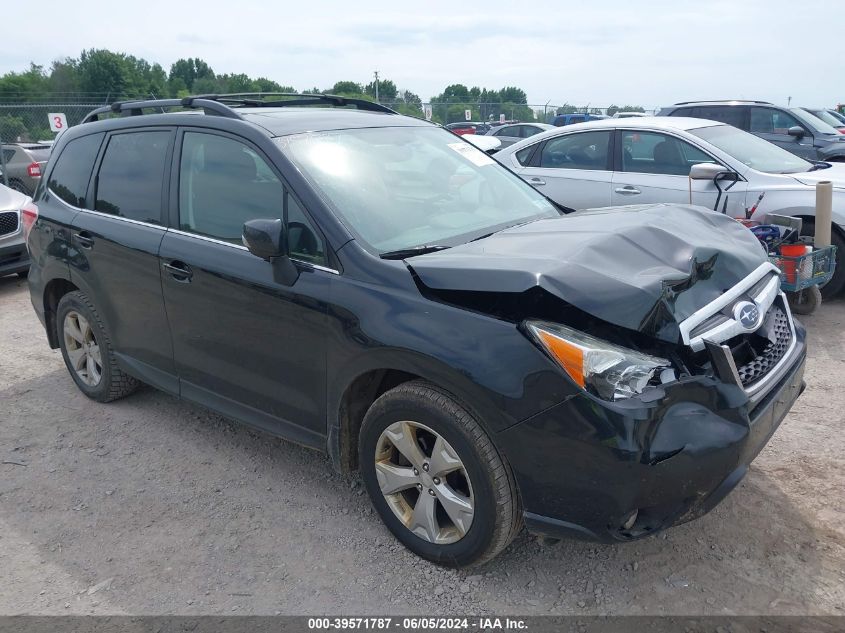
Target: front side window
<point>655,153</point>
<point>403,187</point>
<point>131,175</point>
<point>771,121</point>
<point>223,183</point>
<point>585,150</point>
<point>69,178</point>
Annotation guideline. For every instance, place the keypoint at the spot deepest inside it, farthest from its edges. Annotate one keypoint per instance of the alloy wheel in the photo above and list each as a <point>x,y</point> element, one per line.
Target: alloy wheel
<point>424,482</point>
<point>82,348</point>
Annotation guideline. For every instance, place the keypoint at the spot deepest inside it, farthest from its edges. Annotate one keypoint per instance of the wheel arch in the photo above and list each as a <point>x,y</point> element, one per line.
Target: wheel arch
<point>348,405</point>
<point>53,292</point>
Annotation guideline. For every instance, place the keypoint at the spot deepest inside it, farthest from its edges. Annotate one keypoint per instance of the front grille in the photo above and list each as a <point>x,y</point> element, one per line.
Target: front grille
<point>8,222</point>
<point>780,337</point>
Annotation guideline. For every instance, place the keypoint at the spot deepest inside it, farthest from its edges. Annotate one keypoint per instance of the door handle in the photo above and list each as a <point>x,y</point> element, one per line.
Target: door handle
<point>537,182</point>
<point>180,271</point>
<point>84,239</point>
<point>627,190</point>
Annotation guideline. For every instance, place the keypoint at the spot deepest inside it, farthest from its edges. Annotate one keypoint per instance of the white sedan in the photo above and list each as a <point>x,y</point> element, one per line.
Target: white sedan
<point>653,159</point>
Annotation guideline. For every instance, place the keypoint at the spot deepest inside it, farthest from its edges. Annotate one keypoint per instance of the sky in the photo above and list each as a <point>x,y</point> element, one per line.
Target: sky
<point>637,52</point>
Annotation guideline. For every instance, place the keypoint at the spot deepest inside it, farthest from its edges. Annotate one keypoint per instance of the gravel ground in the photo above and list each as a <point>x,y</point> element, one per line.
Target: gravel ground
<point>154,506</point>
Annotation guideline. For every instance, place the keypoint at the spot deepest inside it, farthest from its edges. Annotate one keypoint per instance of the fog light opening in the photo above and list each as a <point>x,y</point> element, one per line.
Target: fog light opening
<point>628,523</point>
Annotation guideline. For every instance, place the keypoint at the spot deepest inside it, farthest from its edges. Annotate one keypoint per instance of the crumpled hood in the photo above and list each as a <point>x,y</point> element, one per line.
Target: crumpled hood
<point>645,267</point>
<point>835,173</point>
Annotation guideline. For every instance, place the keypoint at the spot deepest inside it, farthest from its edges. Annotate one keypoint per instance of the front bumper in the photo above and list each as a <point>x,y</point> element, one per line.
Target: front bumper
<point>13,259</point>
<point>584,466</point>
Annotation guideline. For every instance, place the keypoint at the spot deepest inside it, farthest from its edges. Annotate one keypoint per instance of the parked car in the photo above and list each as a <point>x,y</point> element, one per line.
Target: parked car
<point>572,119</point>
<point>23,163</point>
<point>829,117</point>
<point>628,115</point>
<point>362,283</point>
<point>510,134</point>
<point>650,160</point>
<point>793,129</point>
<point>14,258</point>
<point>837,115</point>
<point>489,144</point>
<point>469,127</point>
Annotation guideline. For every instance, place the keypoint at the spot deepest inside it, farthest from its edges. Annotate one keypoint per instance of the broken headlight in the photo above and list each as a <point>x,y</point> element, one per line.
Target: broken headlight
<point>604,369</point>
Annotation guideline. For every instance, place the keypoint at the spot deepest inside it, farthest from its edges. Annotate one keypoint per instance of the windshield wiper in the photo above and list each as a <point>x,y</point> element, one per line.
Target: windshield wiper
<point>819,165</point>
<point>402,253</point>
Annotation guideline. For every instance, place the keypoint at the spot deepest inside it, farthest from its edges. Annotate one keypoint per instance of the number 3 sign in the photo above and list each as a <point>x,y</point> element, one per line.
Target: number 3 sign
<point>58,121</point>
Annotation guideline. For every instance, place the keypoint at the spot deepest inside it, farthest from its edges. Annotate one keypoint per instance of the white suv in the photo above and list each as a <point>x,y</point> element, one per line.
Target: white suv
<point>649,160</point>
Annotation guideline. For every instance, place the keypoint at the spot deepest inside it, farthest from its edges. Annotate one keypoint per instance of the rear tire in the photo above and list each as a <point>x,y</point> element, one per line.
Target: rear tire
<point>462,507</point>
<point>834,287</point>
<point>87,350</point>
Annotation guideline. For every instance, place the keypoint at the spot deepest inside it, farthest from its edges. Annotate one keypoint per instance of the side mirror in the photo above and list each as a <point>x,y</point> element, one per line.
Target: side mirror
<point>263,238</point>
<point>796,130</point>
<point>707,171</point>
<point>266,239</point>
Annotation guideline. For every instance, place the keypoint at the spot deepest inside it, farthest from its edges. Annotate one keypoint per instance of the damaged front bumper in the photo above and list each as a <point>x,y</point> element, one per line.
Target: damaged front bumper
<point>619,471</point>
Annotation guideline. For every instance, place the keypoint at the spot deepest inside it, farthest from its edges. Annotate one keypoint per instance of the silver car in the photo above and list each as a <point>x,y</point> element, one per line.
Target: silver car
<point>13,254</point>
<point>515,132</point>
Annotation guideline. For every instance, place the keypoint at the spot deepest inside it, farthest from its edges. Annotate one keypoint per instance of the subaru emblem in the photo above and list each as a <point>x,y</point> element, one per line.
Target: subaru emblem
<point>747,314</point>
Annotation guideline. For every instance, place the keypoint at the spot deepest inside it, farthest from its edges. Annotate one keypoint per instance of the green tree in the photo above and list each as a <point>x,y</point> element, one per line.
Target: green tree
<point>613,109</point>
<point>346,88</point>
<point>189,70</point>
<point>102,72</point>
<point>512,94</point>
<point>387,91</point>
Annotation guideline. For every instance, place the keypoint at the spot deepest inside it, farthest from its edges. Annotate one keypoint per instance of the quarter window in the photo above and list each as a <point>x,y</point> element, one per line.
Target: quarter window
<point>524,155</point>
<point>131,175</point>
<point>69,178</point>
<point>653,153</point>
<point>586,150</point>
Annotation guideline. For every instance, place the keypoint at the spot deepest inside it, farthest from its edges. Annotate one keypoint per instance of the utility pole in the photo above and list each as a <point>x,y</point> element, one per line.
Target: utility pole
<point>788,101</point>
<point>376,74</point>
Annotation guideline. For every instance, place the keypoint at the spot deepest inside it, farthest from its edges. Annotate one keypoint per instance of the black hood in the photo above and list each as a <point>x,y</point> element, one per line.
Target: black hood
<point>646,267</point>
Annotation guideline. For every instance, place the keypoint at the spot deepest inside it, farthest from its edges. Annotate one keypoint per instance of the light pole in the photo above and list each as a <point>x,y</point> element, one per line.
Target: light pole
<point>376,74</point>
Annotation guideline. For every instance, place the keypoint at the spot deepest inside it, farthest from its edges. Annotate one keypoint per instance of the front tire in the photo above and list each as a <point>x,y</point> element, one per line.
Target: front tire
<point>435,477</point>
<point>87,350</point>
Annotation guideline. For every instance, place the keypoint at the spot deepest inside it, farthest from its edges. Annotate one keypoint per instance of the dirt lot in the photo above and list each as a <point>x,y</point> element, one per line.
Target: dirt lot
<point>153,506</point>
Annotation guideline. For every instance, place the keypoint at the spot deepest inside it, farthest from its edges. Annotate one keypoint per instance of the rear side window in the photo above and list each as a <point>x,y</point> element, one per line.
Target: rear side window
<point>732,115</point>
<point>131,175</point>
<point>69,178</point>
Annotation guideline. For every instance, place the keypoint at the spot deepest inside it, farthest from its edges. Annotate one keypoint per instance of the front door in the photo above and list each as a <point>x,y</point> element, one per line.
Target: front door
<point>773,125</point>
<point>655,167</point>
<point>244,343</point>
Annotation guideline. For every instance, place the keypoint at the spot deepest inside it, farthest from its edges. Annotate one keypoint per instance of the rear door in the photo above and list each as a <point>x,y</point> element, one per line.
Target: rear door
<point>573,169</point>
<point>773,125</point>
<point>244,343</point>
<point>508,135</point>
<point>115,242</point>
<point>654,167</point>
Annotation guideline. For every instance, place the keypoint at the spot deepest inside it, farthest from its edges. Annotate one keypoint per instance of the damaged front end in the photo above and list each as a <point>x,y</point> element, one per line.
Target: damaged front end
<point>684,368</point>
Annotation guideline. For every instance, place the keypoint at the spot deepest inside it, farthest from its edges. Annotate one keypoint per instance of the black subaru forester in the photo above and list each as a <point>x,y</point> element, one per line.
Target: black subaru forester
<point>373,286</point>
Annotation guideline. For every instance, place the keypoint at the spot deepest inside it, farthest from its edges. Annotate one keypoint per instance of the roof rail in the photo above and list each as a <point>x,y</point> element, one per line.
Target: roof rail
<point>292,99</point>
<point>136,108</point>
<point>723,101</point>
<point>225,104</point>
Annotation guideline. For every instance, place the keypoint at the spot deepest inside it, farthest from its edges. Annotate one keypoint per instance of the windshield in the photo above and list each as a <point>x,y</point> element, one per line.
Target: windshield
<point>751,150</point>
<point>814,121</point>
<point>827,117</point>
<point>406,187</point>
